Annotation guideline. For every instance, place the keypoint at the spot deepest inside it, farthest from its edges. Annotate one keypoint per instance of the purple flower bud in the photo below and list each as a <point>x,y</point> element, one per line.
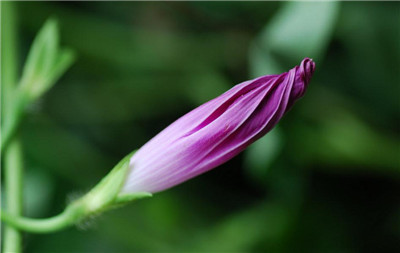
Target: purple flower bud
<point>216,131</point>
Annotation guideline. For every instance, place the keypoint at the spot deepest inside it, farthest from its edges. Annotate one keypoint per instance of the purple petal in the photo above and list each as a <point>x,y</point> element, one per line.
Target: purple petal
<point>216,131</point>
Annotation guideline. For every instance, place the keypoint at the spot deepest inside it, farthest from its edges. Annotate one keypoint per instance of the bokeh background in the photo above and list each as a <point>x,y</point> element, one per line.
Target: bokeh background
<point>326,179</point>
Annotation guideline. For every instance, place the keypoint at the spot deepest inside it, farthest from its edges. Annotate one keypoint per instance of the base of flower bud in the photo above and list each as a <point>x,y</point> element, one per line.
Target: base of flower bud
<point>104,196</point>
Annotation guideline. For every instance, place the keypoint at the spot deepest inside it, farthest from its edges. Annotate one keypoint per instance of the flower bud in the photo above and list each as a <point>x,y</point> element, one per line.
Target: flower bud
<point>216,131</point>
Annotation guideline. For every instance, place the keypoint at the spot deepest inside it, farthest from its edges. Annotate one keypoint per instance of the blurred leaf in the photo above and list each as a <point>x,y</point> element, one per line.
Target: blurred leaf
<point>61,64</point>
<point>337,136</point>
<point>299,30</point>
<point>45,62</point>
<point>365,65</point>
<point>352,140</point>
<point>44,65</point>
<point>241,232</point>
<point>43,51</point>
<point>134,49</point>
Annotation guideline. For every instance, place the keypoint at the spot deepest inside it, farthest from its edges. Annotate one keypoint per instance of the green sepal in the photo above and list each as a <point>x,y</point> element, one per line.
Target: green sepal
<point>107,194</point>
<point>104,196</point>
<point>128,197</point>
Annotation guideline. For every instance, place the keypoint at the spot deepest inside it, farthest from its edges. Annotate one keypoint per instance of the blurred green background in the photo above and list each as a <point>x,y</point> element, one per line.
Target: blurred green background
<point>326,179</point>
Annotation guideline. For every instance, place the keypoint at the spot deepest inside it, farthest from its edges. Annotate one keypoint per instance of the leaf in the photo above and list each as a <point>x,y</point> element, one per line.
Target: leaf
<point>42,52</point>
<point>64,60</point>
<point>242,231</point>
<point>299,30</point>
<point>45,62</point>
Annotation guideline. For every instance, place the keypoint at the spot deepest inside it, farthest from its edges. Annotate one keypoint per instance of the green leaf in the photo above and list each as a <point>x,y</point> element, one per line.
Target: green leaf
<point>42,52</point>
<point>242,231</point>
<point>299,30</point>
<point>45,62</point>
<point>44,65</point>
<point>64,60</point>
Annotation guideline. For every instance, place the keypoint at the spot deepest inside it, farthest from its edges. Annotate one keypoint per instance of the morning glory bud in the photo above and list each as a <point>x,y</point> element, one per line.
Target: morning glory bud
<point>197,142</point>
<point>216,131</point>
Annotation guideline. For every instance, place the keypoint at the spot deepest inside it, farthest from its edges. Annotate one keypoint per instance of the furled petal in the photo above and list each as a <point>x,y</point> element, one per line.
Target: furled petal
<point>216,131</point>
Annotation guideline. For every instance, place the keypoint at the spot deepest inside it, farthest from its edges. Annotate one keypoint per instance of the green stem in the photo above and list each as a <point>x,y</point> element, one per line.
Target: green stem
<point>70,216</point>
<point>10,125</point>
<point>12,154</point>
<point>104,196</point>
<point>13,188</point>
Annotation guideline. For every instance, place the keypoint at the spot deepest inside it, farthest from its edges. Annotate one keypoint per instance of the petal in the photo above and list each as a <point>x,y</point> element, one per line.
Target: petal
<point>216,131</point>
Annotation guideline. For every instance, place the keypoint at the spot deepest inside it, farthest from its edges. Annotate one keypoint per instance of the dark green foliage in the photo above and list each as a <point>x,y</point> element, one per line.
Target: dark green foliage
<point>326,180</point>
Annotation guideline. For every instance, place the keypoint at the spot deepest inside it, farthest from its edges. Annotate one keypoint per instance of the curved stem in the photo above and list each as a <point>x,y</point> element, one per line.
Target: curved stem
<point>67,218</point>
<point>104,196</point>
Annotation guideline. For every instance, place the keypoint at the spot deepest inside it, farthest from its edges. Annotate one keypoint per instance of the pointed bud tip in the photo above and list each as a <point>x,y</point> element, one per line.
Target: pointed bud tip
<point>308,68</point>
<point>303,74</point>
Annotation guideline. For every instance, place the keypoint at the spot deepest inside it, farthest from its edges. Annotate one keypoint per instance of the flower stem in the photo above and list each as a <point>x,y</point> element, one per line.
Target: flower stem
<point>13,188</point>
<point>13,166</point>
<point>70,216</point>
<point>104,196</point>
